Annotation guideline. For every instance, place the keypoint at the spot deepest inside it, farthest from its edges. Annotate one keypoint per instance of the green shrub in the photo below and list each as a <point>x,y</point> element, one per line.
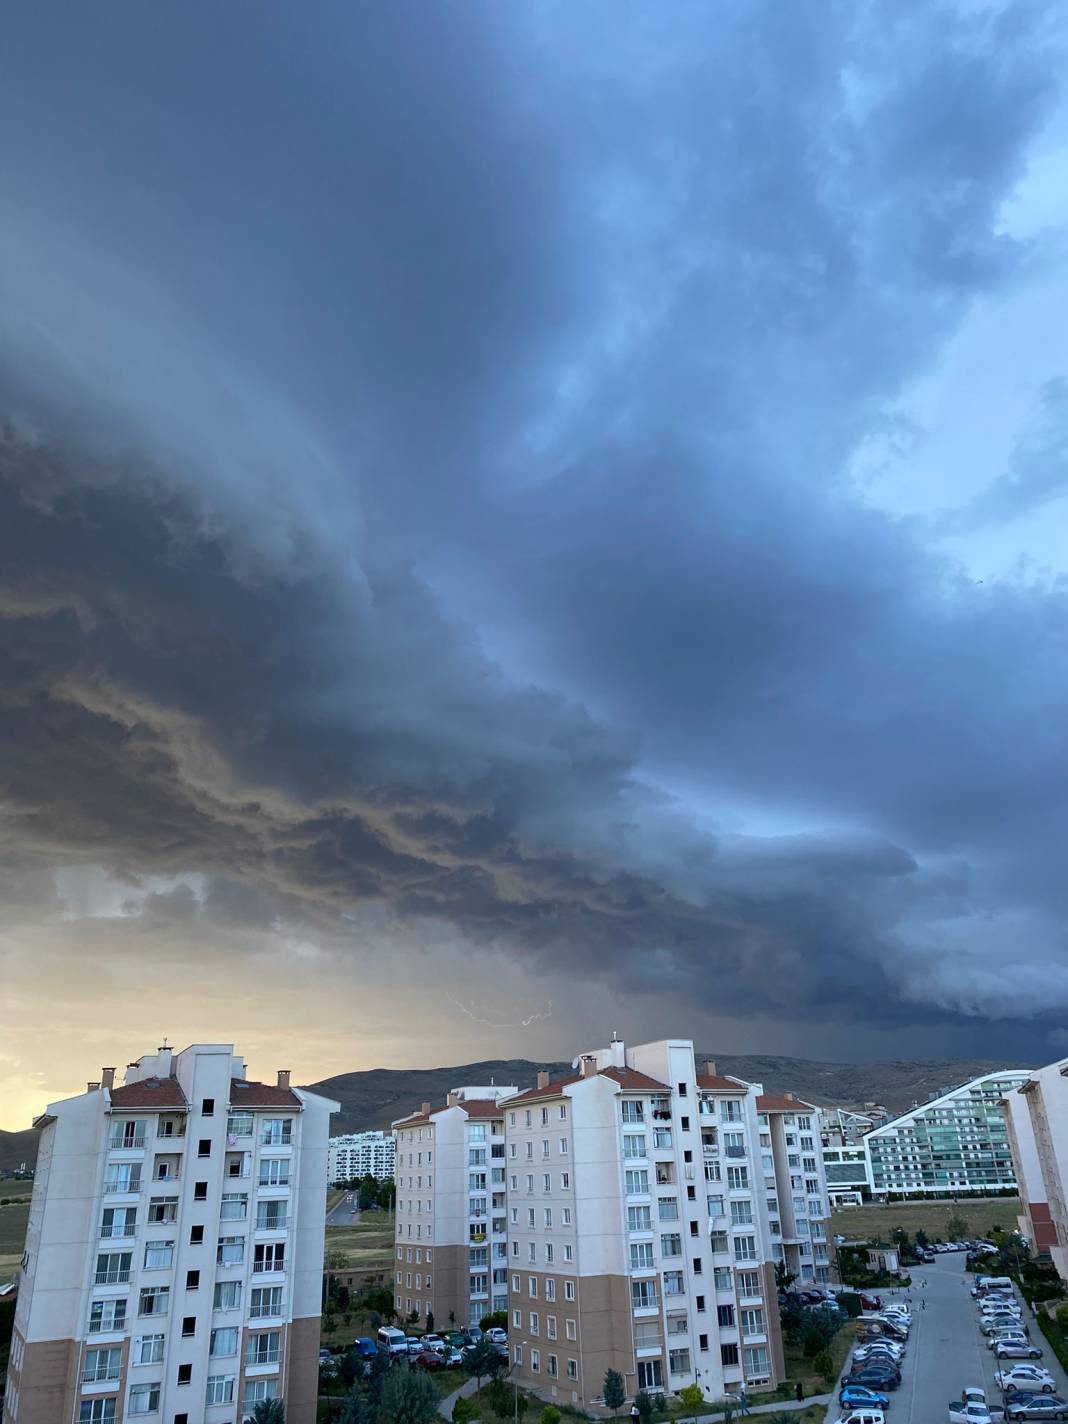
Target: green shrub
<point>463,1411</point>
<point>550,1415</point>
<point>691,1396</point>
<point>824,1365</point>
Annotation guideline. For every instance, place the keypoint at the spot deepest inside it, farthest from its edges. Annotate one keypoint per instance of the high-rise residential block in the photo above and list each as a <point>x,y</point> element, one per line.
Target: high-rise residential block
<point>173,1264</point>
<point>637,1208</point>
<point>955,1143</point>
<point>451,1219</point>
<point>360,1154</point>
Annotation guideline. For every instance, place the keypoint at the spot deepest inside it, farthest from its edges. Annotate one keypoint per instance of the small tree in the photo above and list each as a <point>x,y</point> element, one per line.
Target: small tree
<point>1062,1317</point>
<point>784,1278</point>
<point>615,1390</point>
<point>824,1365</point>
<point>463,1411</point>
<point>645,1405</point>
<point>691,1396</point>
<point>483,1361</point>
<point>550,1415</point>
<point>268,1411</point>
<point>957,1227</point>
<point>850,1303</point>
<point>921,1238</point>
<point>429,1321</point>
<point>408,1397</point>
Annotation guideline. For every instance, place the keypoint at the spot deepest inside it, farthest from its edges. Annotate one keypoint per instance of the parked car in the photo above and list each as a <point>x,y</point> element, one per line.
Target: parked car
<point>963,1411</point>
<point>881,1377</point>
<point>325,1355</point>
<point>365,1347</point>
<point>879,1347</point>
<point>1032,1377</point>
<point>1016,1350</point>
<point>392,1341</point>
<point>1039,1406</point>
<point>429,1360</point>
<point>859,1396</point>
<point>415,1346</point>
<point>972,1394</point>
<point>1006,1337</point>
<point>452,1356</point>
<point>870,1302</point>
<point>498,1336</point>
<point>1004,1319</point>
<point>862,1416</point>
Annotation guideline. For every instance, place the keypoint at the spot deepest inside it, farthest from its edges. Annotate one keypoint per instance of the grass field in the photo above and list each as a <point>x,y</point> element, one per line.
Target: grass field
<point>12,1230</point>
<point>368,1245</point>
<point>871,1221</point>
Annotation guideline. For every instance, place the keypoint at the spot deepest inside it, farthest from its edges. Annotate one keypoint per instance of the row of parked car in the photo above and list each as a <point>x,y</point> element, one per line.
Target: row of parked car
<point>431,1351</point>
<point>1027,1389</point>
<point>876,1364</point>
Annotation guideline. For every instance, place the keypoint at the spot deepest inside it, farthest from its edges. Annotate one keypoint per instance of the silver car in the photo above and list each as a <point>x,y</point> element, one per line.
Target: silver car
<point>1016,1350</point>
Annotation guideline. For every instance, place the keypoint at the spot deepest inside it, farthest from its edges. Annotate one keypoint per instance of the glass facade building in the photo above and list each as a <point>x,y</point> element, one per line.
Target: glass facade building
<point>955,1143</point>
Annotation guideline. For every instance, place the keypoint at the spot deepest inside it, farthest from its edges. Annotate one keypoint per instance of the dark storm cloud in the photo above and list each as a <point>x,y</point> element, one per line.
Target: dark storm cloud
<point>426,436</point>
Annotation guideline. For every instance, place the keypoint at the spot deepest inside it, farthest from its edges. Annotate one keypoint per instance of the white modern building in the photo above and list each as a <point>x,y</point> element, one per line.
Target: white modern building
<point>796,1184</point>
<point>173,1263</point>
<point>360,1154</point>
<point>956,1143</point>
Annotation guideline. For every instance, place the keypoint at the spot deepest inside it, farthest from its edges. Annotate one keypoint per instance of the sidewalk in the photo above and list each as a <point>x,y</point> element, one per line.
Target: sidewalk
<point>780,1406</point>
<point>466,1389</point>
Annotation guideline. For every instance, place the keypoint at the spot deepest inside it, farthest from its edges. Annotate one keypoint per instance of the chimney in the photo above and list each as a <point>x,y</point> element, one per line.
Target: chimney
<point>588,1065</point>
<point>107,1077</point>
<point>791,1096</point>
<point>710,1067</point>
<point>424,1107</point>
<point>283,1077</point>
<point>543,1079</point>
<point>92,1087</point>
<point>453,1098</point>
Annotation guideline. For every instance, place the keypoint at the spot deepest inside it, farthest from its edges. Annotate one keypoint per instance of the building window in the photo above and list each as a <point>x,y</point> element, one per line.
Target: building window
<point>154,1300</point>
<point>220,1389</point>
<point>679,1362</point>
<point>144,1398</point>
<point>234,1206</point>
<point>106,1316</point>
<point>148,1349</point>
<point>227,1295</point>
<point>101,1365</point>
<point>267,1301</point>
<point>162,1209</point>
<point>535,1360</point>
<point>207,1107</point>
<point>223,1342</point>
<point>159,1255</point>
<point>192,1280</point>
<point>185,1374</point>
<point>97,1411</point>
<point>262,1348</point>
<point>728,1354</point>
<point>725,1315</point>
<point>230,1250</point>
<point>277,1132</point>
<point>650,1374</point>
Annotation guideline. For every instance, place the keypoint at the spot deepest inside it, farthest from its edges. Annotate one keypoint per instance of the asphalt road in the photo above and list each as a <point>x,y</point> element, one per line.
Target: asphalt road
<point>346,1213</point>
<point>946,1351</point>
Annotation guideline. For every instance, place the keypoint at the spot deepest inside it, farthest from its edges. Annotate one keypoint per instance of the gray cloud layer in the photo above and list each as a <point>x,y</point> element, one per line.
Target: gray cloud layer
<point>422,486</point>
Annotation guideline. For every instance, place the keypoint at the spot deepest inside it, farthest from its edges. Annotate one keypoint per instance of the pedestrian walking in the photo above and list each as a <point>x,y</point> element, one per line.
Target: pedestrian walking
<point>635,1414</point>
<point>743,1401</point>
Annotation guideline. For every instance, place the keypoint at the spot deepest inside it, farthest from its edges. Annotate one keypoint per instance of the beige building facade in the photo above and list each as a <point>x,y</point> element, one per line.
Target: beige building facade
<point>1037,1119</point>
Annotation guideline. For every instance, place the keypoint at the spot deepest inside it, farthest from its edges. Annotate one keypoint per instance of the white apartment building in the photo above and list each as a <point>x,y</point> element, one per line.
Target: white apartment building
<point>173,1263</point>
<point>639,1237</point>
<point>1037,1113</point>
<point>451,1218</point>
<point>629,1215</point>
<point>360,1154</point>
<point>955,1143</point>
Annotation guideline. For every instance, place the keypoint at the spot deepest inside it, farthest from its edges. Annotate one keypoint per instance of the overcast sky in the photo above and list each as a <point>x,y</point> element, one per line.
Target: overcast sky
<point>519,520</point>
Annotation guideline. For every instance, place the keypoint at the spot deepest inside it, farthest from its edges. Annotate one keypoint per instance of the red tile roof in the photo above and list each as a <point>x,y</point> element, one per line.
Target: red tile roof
<point>782,1105</point>
<point>149,1093</point>
<point>419,1119</point>
<point>716,1083</point>
<point>244,1094</point>
<point>482,1107</point>
<point>553,1089</point>
<point>631,1081</point>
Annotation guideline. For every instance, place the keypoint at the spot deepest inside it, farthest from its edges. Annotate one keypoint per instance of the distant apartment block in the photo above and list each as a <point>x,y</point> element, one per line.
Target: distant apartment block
<point>360,1154</point>
<point>451,1214</point>
<point>637,1210</point>
<point>1037,1114</point>
<point>955,1143</point>
<point>173,1264</point>
<point>847,1127</point>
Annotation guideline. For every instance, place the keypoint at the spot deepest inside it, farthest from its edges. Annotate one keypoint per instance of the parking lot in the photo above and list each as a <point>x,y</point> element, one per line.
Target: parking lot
<point>946,1351</point>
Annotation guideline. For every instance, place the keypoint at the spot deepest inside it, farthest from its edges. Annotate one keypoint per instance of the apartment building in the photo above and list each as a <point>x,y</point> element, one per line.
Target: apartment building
<point>360,1154</point>
<point>1037,1115</point>
<point>955,1143</point>
<point>638,1229</point>
<point>173,1263</point>
<point>796,1183</point>
<point>451,1215</point>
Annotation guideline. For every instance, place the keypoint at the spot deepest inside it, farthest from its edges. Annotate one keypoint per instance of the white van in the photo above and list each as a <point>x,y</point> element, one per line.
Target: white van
<point>863,1416</point>
<point>392,1341</point>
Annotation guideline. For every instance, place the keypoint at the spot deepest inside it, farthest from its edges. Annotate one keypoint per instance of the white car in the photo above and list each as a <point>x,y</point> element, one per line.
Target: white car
<point>963,1411</point>
<point>498,1336</point>
<point>1006,1337</point>
<point>862,1416</point>
<point>1025,1377</point>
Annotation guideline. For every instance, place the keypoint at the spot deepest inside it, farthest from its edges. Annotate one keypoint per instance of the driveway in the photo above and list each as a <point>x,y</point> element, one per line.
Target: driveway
<point>346,1213</point>
<point>946,1350</point>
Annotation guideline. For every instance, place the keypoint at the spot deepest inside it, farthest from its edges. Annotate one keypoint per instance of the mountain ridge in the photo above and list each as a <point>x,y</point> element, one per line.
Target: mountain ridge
<point>375,1097</point>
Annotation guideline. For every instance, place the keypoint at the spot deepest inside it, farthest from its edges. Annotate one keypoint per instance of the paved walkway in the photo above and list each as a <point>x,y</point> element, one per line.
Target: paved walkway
<point>466,1389</point>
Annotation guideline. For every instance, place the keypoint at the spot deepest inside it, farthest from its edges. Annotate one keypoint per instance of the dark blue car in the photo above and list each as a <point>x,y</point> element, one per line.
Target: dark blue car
<point>858,1396</point>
